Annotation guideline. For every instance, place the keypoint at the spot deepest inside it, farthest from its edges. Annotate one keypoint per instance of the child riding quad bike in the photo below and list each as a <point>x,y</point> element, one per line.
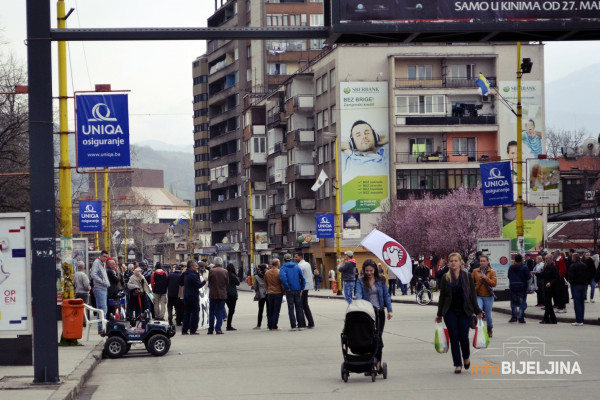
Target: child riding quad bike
<point>155,335</point>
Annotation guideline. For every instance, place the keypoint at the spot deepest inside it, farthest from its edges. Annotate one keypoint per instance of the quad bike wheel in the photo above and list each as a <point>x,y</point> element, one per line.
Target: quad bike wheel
<point>158,345</point>
<point>115,347</point>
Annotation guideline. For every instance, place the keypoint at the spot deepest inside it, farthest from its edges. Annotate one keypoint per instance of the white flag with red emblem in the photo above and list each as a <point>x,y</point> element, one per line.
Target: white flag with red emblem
<point>392,253</point>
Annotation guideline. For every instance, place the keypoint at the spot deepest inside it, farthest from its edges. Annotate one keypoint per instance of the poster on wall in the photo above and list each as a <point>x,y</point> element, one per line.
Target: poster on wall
<point>261,241</point>
<point>75,250</point>
<point>351,226</point>
<point>364,146</point>
<point>498,252</point>
<point>15,275</point>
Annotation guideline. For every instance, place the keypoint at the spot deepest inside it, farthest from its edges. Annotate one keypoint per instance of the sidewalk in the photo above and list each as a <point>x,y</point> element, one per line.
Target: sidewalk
<point>77,363</point>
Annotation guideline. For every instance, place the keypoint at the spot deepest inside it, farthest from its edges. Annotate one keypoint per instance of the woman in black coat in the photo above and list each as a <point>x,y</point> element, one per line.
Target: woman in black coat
<point>550,276</point>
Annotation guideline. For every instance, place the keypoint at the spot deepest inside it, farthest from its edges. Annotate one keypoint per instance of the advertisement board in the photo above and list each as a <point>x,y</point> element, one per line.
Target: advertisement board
<point>476,11</point>
<point>102,129</point>
<point>15,275</point>
<point>325,226</point>
<point>70,252</point>
<point>496,184</point>
<point>498,251</point>
<point>90,216</point>
<point>364,145</point>
<point>543,182</point>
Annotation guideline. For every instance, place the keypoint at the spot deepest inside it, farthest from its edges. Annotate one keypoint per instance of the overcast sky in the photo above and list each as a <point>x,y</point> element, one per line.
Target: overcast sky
<point>159,73</point>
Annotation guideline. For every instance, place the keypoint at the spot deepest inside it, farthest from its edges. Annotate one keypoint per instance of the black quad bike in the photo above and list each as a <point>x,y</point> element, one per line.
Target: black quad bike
<point>155,335</point>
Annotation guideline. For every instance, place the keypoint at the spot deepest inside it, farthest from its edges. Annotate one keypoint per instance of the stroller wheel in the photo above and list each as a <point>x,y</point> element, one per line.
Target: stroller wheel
<point>344,373</point>
<point>373,376</point>
<point>384,367</point>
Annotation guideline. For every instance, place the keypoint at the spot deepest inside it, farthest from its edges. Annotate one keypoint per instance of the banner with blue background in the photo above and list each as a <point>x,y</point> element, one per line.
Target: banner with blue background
<point>90,216</point>
<point>325,226</point>
<point>496,184</point>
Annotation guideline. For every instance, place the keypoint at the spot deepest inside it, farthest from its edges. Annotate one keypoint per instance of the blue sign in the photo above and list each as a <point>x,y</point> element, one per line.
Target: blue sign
<point>496,183</point>
<point>102,130</point>
<point>325,226</point>
<point>90,216</point>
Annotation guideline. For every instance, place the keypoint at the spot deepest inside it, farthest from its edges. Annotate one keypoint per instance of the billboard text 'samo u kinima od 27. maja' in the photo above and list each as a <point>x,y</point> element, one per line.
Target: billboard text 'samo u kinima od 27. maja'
<point>468,10</point>
<point>364,146</point>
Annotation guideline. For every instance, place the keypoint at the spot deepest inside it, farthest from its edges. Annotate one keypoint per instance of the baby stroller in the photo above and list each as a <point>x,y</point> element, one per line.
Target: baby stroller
<point>361,337</point>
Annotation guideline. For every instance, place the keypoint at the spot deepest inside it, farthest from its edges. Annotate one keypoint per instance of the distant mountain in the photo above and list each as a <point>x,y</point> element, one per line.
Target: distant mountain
<point>178,167</point>
<point>162,146</point>
<point>571,102</point>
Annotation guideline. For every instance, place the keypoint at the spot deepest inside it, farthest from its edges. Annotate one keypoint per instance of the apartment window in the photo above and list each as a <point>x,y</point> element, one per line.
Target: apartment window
<point>249,51</point>
<point>420,146</point>
<point>259,145</point>
<point>464,146</point>
<point>249,75</point>
<point>259,202</point>
<point>466,71</point>
<point>325,83</point>
<point>319,89</point>
<point>420,72</point>
<point>276,69</point>
<point>320,120</point>
<point>317,20</point>
<point>298,20</point>
<point>332,77</point>
<point>316,1</point>
<point>320,155</point>
<point>420,105</point>
<point>327,188</point>
<point>292,189</point>
<point>316,44</point>
<point>333,115</point>
<point>325,117</point>
<point>326,152</point>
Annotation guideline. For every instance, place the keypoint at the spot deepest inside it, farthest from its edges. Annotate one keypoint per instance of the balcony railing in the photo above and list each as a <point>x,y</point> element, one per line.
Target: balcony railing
<point>440,83</point>
<point>445,120</point>
<point>470,156</point>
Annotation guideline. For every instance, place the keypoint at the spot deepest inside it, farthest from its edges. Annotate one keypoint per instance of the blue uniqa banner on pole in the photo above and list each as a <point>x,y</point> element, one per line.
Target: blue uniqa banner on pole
<point>90,216</point>
<point>102,127</point>
<point>325,226</point>
<point>496,183</point>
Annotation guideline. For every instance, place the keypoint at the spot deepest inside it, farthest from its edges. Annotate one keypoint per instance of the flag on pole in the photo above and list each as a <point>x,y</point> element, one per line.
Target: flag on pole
<point>320,181</point>
<point>392,253</point>
<point>484,85</point>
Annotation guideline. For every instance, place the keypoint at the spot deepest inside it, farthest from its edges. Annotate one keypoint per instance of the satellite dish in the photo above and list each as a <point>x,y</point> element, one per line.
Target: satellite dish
<point>221,179</point>
<point>590,147</point>
<point>236,247</point>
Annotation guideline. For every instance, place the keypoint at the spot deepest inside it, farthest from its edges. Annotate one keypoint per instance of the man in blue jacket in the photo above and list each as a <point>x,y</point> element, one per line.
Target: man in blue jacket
<point>191,299</point>
<point>518,280</point>
<point>293,283</point>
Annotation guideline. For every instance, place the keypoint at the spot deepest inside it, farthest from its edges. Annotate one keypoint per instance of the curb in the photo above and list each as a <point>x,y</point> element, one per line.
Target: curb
<point>73,384</point>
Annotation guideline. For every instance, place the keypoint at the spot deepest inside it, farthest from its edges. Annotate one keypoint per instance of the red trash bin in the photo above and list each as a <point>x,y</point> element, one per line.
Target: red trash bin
<point>72,318</point>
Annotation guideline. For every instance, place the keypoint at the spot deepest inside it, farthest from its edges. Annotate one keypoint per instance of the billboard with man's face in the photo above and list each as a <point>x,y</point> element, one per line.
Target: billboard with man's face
<point>364,145</point>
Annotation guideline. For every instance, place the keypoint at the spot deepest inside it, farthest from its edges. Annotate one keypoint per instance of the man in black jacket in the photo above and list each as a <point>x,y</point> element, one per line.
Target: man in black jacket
<point>191,299</point>
<point>579,276</point>
<point>173,301</point>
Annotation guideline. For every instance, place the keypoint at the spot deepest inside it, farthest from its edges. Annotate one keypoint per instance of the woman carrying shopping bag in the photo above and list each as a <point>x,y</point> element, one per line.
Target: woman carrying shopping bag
<point>457,304</point>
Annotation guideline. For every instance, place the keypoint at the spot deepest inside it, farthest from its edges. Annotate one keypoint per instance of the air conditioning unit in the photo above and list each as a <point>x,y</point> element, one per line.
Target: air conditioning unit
<point>590,195</point>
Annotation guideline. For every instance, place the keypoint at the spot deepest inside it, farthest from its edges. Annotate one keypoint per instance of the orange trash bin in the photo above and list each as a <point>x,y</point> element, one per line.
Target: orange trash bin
<point>334,287</point>
<point>72,318</point>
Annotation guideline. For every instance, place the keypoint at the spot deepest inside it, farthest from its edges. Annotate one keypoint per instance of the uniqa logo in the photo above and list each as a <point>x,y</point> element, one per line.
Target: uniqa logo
<point>101,113</point>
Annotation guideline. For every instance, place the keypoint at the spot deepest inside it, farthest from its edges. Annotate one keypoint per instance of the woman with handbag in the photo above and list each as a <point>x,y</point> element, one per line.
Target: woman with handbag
<point>457,304</point>
<point>260,294</point>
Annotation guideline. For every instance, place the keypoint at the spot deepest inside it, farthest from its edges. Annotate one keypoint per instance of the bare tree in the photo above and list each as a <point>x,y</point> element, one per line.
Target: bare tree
<point>14,138</point>
<point>559,140</point>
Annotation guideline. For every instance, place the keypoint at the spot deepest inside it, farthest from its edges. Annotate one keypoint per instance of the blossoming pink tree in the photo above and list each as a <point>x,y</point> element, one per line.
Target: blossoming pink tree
<point>439,226</point>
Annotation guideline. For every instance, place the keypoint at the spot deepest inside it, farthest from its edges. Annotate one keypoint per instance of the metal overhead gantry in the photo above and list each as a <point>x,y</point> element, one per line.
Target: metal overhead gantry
<point>40,36</point>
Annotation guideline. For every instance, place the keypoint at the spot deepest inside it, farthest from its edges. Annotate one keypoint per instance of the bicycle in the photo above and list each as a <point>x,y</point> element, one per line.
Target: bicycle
<point>424,295</point>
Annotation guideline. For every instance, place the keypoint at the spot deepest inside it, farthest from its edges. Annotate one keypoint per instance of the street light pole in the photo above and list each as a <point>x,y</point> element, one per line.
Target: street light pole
<point>520,230</point>
<point>251,227</point>
<point>338,217</point>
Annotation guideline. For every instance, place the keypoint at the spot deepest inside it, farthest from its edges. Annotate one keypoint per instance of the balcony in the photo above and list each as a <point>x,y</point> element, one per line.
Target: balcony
<point>304,102</point>
<point>300,171</point>
<point>300,137</point>
<point>445,120</point>
<point>302,205</point>
<point>440,83</point>
<point>474,156</point>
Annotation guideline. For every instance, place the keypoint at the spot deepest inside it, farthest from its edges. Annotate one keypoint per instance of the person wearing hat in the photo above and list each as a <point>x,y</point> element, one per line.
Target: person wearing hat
<point>348,270</point>
<point>293,284</point>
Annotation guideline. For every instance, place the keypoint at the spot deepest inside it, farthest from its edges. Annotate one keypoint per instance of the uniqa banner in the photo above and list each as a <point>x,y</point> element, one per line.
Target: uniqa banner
<point>325,226</point>
<point>102,129</point>
<point>496,183</point>
<point>90,216</point>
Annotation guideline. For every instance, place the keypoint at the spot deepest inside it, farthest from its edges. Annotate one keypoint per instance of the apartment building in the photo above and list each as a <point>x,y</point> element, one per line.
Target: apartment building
<point>434,125</point>
<point>238,72</point>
